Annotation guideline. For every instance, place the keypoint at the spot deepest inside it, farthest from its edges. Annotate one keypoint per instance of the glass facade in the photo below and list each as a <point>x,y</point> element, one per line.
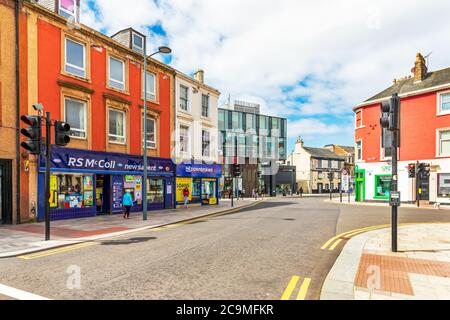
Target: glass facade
<point>257,136</point>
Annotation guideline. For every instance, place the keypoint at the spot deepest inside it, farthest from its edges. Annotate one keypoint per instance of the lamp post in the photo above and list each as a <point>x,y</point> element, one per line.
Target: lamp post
<point>164,50</point>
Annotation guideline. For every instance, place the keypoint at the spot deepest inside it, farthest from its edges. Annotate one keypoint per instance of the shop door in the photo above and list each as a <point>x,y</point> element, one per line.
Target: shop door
<point>5,192</point>
<point>103,194</point>
<point>320,188</point>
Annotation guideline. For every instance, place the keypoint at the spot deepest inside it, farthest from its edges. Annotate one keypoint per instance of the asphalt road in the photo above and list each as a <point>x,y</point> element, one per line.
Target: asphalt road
<point>252,254</point>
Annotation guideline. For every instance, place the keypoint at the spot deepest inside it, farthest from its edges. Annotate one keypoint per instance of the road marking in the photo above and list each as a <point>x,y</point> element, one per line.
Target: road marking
<point>349,233</point>
<point>335,245</point>
<point>304,289</point>
<point>290,288</point>
<point>19,294</point>
<point>46,253</point>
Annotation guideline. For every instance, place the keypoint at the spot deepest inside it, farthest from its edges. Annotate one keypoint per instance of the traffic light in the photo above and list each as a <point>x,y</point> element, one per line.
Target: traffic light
<point>62,130</point>
<point>330,175</point>
<point>412,170</point>
<point>390,113</point>
<point>258,174</point>
<point>423,170</point>
<point>33,133</point>
<point>236,170</point>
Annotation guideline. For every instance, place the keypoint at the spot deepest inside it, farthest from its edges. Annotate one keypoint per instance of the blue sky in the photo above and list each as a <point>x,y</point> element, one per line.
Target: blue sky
<point>310,62</point>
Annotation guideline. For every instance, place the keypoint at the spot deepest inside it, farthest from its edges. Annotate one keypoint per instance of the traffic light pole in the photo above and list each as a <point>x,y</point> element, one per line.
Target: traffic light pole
<point>394,188</point>
<point>48,153</point>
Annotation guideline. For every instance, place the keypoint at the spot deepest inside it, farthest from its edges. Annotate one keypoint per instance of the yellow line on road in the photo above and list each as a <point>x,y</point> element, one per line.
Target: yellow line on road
<point>329,242</point>
<point>304,289</point>
<point>335,245</point>
<point>42,254</point>
<point>290,288</point>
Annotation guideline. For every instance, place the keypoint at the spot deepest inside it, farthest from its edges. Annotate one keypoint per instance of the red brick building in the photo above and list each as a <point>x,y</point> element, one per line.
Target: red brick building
<point>425,137</point>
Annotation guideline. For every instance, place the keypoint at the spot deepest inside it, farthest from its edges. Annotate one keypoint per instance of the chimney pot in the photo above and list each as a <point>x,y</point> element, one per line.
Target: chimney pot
<point>420,69</point>
<point>200,76</point>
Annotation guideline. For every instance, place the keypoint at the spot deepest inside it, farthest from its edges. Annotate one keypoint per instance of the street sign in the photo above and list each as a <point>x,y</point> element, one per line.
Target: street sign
<point>345,182</point>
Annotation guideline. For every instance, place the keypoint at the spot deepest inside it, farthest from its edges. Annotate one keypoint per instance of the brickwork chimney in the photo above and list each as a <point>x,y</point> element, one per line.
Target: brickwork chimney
<point>420,69</point>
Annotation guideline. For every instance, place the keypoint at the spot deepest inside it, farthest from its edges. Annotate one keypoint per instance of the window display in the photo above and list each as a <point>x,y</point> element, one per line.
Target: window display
<point>196,190</point>
<point>383,186</point>
<point>133,184</point>
<point>155,190</point>
<point>71,191</point>
<point>444,185</point>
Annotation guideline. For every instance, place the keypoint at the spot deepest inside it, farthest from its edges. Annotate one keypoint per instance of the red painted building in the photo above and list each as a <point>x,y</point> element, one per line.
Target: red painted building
<point>425,137</point>
<point>95,83</point>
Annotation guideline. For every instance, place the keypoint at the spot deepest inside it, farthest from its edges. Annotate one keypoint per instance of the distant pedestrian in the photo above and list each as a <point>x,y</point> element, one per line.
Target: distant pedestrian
<point>127,203</point>
<point>255,194</point>
<point>186,197</point>
<point>242,194</point>
<point>301,191</point>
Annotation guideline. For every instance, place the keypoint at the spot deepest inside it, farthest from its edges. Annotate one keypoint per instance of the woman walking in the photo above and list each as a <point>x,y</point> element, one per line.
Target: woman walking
<point>127,203</point>
<point>186,197</point>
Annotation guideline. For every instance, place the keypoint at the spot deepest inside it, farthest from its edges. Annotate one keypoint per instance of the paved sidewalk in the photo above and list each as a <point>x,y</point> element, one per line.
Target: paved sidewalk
<point>28,238</point>
<point>336,200</point>
<point>367,270</point>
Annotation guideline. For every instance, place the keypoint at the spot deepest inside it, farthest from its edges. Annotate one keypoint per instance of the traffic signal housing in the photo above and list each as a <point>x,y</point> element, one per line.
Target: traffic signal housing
<point>236,170</point>
<point>62,130</point>
<point>412,170</point>
<point>390,113</point>
<point>33,132</point>
<point>330,176</point>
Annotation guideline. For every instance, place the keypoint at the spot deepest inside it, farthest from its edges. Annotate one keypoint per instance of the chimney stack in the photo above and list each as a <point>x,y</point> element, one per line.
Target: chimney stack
<point>420,69</point>
<point>200,76</point>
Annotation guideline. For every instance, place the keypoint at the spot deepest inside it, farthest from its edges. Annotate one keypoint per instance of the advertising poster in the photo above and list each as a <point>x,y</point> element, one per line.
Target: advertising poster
<point>88,183</point>
<point>181,184</point>
<point>117,192</point>
<point>89,198</point>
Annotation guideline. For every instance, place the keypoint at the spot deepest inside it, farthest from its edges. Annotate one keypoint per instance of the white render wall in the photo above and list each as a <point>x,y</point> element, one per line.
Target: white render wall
<point>302,162</point>
<point>194,120</point>
<point>406,185</point>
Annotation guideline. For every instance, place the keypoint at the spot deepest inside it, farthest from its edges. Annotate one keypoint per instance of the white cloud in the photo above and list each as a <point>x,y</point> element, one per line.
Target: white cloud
<point>347,50</point>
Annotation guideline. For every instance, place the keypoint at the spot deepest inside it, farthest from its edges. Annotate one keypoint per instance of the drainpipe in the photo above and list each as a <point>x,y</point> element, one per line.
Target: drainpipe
<point>18,4</point>
<point>175,137</point>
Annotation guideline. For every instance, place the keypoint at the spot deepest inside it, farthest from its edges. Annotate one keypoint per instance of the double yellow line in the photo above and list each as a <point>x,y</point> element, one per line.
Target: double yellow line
<point>336,240</point>
<point>46,253</point>
<point>292,285</point>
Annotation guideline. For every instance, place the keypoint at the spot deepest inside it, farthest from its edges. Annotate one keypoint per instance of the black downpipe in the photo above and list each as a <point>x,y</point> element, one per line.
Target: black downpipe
<point>17,10</point>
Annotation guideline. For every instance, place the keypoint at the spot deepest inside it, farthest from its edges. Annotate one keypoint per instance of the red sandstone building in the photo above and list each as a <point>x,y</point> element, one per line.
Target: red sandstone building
<point>425,137</point>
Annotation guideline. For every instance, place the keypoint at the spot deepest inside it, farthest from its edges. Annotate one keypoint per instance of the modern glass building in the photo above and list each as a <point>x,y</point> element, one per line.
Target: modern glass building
<point>257,142</point>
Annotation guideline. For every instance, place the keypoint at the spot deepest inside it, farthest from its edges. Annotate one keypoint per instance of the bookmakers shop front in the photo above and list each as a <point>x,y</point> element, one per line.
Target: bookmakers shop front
<point>202,180</point>
<point>88,183</point>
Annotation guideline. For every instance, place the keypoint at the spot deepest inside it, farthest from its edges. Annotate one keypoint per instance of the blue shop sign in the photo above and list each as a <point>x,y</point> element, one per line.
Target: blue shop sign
<point>199,170</point>
<point>64,159</point>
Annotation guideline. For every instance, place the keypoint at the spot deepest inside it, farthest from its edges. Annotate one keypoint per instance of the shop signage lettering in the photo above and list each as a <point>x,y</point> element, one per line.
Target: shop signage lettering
<point>65,158</point>
<point>199,170</point>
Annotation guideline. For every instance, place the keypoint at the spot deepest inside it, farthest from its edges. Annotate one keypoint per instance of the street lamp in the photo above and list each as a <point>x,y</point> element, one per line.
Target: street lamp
<point>163,50</point>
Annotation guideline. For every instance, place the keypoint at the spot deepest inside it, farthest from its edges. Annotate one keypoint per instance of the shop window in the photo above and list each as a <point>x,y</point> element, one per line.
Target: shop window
<point>151,86</point>
<point>155,190</point>
<point>116,73</point>
<point>382,186</point>
<point>151,133</point>
<point>75,58</point>
<point>444,185</point>
<point>184,98</point>
<point>71,191</point>
<point>133,185</point>
<point>209,191</point>
<point>196,190</point>
<point>75,116</point>
<point>117,126</point>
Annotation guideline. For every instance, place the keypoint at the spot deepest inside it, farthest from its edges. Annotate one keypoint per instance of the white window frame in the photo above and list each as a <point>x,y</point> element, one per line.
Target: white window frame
<point>356,122</point>
<point>71,14</point>
<point>188,152</point>
<point>153,144</point>
<point>209,144</point>
<point>209,105</point>
<point>71,65</point>
<point>124,137</point>
<point>85,118</point>
<point>439,95</point>
<point>356,150</point>
<point>150,96</point>
<point>114,80</point>
<point>188,97</point>
<point>135,47</point>
<point>438,143</point>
